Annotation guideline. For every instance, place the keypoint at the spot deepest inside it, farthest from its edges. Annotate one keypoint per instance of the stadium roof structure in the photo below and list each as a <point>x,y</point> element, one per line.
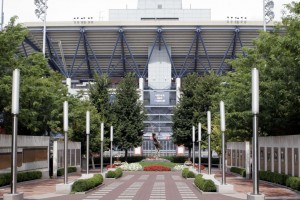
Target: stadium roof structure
<point>78,49</point>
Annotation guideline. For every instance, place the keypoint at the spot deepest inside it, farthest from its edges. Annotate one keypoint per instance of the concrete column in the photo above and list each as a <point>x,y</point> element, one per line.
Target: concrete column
<point>247,159</point>
<point>178,85</point>
<point>279,159</point>
<point>266,158</point>
<point>55,158</point>
<point>68,83</point>
<point>272,159</point>
<point>141,87</point>
<point>285,160</point>
<point>293,162</point>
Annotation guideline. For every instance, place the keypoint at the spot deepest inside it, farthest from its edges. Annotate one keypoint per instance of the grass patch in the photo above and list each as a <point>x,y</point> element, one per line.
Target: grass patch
<point>164,164</point>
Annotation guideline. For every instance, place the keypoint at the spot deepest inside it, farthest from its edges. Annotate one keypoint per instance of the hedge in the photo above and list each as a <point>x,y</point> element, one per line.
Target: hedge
<point>132,159</point>
<point>273,177</point>
<point>185,172</point>
<point>237,170</point>
<point>114,174</point>
<point>182,159</point>
<point>205,185</point>
<point>61,171</point>
<point>5,179</point>
<point>87,184</point>
<point>293,182</point>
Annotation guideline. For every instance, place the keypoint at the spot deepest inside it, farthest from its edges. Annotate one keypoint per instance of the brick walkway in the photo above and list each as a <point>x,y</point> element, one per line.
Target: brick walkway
<point>148,186</point>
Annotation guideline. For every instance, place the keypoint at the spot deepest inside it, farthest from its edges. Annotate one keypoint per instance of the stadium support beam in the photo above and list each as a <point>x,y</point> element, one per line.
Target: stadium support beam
<point>205,51</point>
<point>232,43</point>
<point>123,52</point>
<point>196,51</point>
<point>86,53</point>
<point>76,52</point>
<point>145,71</point>
<point>31,44</point>
<point>169,55</point>
<point>24,49</point>
<point>137,71</point>
<point>113,53</point>
<point>185,66</point>
<point>55,59</point>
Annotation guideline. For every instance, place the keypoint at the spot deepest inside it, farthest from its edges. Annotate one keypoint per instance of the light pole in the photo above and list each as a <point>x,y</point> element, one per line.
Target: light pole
<point>209,148</point>
<point>15,112</point>
<point>87,140</point>
<point>41,13</point>
<point>111,143</point>
<point>66,128</point>
<point>199,147</point>
<point>255,112</point>
<point>193,139</point>
<point>268,14</point>
<point>2,15</point>
<point>101,139</point>
<point>222,120</point>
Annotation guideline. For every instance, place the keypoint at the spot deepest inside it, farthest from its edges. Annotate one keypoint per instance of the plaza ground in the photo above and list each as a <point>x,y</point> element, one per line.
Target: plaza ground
<point>149,186</point>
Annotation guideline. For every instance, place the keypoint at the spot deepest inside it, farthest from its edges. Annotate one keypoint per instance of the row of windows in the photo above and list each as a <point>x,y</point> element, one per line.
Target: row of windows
<point>166,145</point>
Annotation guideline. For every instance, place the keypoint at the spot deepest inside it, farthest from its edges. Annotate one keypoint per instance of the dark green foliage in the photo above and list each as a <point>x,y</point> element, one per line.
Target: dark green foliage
<point>110,174</point>
<point>114,174</point>
<point>205,185</point>
<point>273,177</point>
<point>132,159</point>
<point>240,171</point>
<point>190,174</point>
<point>129,115</point>
<point>176,159</point>
<point>22,176</point>
<point>87,184</point>
<point>118,172</point>
<point>185,172</point>
<point>61,171</point>
<point>293,182</point>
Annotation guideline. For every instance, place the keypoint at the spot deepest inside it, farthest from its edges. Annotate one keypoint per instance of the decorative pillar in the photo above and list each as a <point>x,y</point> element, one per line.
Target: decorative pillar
<point>178,85</point>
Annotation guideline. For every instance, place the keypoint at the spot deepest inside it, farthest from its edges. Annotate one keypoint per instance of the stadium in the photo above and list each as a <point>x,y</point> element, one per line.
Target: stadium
<point>159,41</point>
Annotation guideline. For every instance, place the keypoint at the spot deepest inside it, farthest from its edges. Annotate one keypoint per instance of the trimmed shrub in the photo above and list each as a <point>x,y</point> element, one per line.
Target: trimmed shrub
<point>61,171</point>
<point>273,177</point>
<point>293,182</point>
<point>87,184</point>
<point>110,174</point>
<point>118,173</point>
<point>21,176</point>
<point>237,170</point>
<point>205,185</point>
<point>185,172</point>
<point>190,174</point>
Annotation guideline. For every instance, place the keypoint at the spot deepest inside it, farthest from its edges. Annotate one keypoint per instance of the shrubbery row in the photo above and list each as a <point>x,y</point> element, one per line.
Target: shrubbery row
<point>282,179</point>
<point>114,174</point>
<point>87,184</point>
<point>240,171</point>
<point>61,171</point>
<point>22,176</point>
<point>186,173</point>
<point>205,185</point>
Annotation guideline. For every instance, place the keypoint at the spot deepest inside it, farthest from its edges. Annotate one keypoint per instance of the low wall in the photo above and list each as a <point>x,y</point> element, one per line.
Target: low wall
<point>238,155</point>
<point>74,155</point>
<point>280,154</point>
<point>32,153</point>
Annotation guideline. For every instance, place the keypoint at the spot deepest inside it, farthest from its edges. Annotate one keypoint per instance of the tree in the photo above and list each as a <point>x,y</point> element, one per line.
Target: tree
<point>195,101</point>
<point>41,89</point>
<point>130,114</point>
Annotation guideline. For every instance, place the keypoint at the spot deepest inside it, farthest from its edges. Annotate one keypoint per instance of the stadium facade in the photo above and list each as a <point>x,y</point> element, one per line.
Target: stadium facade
<point>160,42</point>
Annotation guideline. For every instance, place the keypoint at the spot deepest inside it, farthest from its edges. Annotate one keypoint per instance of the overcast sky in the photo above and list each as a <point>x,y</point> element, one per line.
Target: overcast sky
<point>66,10</point>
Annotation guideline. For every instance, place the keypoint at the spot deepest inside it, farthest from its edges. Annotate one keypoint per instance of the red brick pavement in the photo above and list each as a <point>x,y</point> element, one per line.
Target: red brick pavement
<point>147,186</point>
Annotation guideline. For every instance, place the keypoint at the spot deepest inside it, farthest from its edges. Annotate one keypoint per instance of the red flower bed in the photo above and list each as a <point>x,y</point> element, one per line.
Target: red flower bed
<point>197,167</point>
<point>113,166</point>
<point>156,168</point>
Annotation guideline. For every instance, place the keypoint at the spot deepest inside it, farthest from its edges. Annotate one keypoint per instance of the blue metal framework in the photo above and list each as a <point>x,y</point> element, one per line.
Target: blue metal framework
<point>196,58</point>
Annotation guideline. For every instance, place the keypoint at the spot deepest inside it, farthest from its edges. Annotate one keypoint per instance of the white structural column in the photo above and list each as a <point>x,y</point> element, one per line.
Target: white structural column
<point>141,87</point>
<point>68,83</point>
<point>178,85</point>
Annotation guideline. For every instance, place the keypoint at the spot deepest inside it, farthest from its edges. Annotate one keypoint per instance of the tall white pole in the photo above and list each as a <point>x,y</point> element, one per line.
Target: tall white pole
<point>15,112</point>
<point>87,140</point>
<point>44,29</point>
<point>111,143</point>
<point>101,139</point>
<point>264,16</point>
<point>193,139</point>
<point>66,128</point>
<point>255,112</point>
<point>209,146</point>
<point>222,120</point>
<point>199,147</point>
<point>2,16</point>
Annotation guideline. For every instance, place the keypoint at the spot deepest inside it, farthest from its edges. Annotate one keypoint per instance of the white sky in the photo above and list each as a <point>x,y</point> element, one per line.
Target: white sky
<point>66,10</point>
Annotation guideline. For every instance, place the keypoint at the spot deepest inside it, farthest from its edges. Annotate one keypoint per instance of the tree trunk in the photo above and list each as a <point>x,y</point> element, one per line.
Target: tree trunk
<point>93,163</point>
<point>126,151</point>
